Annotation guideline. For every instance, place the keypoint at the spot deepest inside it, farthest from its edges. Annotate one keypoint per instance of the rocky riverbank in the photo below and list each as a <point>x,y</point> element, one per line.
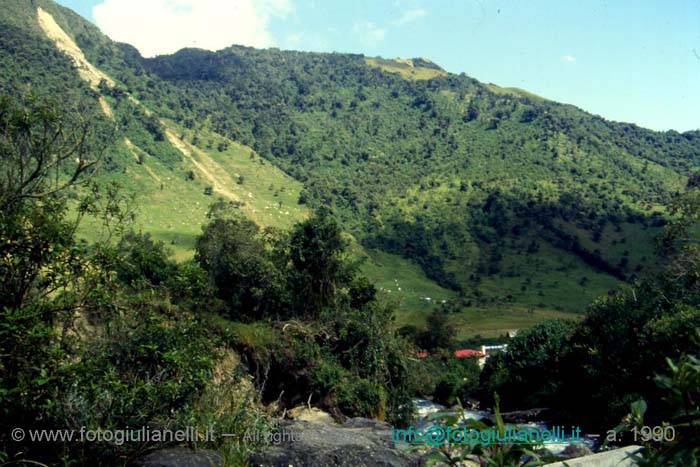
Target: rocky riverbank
<point>314,439</point>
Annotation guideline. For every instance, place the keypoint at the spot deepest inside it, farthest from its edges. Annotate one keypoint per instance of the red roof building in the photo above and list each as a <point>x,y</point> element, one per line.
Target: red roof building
<point>463,353</point>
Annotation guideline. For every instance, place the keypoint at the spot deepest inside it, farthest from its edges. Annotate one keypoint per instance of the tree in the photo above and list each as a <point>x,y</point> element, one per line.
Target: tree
<point>318,257</point>
<point>45,152</point>
<point>238,261</point>
<point>45,276</point>
<point>144,262</point>
<point>440,332</point>
<point>530,362</point>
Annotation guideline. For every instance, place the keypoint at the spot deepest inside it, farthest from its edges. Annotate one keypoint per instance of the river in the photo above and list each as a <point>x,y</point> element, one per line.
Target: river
<point>428,413</point>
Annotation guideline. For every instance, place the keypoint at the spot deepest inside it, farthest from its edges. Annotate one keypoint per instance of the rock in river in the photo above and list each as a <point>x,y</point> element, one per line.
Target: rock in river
<point>357,443</point>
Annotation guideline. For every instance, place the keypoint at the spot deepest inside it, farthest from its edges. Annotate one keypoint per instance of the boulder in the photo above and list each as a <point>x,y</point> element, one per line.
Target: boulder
<point>358,443</point>
<point>310,415</point>
<point>359,422</point>
<point>527,416</point>
<point>180,457</point>
<point>622,457</point>
<point>575,450</point>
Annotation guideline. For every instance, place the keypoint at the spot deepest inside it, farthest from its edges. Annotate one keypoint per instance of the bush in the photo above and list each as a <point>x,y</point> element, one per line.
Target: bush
<point>530,362</point>
<point>327,375</point>
<point>359,397</point>
<point>147,372</point>
<point>143,262</point>
<point>458,381</point>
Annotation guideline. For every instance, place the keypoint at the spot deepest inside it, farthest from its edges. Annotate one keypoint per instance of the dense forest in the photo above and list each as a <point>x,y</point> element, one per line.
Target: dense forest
<point>502,198</point>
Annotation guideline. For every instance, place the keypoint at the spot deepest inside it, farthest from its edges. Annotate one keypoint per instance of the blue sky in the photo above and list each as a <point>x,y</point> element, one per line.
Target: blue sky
<point>635,61</point>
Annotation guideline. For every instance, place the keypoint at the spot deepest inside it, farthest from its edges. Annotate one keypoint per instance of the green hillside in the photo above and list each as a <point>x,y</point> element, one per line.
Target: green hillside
<point>499,195</point>
<point>415,69</point>
<point>172,201</point>
<point>498,201</point>
<point>167,167</point>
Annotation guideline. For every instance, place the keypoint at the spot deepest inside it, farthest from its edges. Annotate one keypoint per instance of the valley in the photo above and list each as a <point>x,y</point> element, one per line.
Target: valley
<point>492,208</point>
<point>249,239</point>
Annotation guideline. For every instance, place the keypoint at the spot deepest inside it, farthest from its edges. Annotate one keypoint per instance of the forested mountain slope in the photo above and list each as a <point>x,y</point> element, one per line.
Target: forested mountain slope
<point>506,198</point>
<point>496,193</point>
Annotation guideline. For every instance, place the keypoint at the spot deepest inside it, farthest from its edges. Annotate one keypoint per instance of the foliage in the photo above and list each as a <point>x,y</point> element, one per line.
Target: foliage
<point>529,360</point>
<point>230,404</point>
<point>321,269</point>
<point>681,414</point>
<point>78,346</point>
<point>143,373</point>
<point>485,454</point>
<point>421,168</point>
<point>469,210</point>
<point>338,345</point>
<point>506,199</point>
<point>359,396</point>
<point>352,365</point>
<point>440,332</point>
<point>616,349</point>
<point>144,263</point>
<point>457,381</point>
<point>241,266</point>
<point>44,274</point>
<point>500,195</point>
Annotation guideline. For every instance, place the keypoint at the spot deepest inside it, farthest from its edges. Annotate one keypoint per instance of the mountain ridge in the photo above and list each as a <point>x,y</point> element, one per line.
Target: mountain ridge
<point>506,198</point>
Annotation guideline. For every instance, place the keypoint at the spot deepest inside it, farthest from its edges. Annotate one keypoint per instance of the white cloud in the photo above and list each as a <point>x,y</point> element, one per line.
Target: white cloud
<point>165,26</point>
<point>368,32</point>
<point>568,58</point>
<point>410,16</point>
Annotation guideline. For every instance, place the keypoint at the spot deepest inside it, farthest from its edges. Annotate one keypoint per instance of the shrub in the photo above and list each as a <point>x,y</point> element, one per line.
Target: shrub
<point>360,397</point>
<point>143,262</point>
<point>147,372</point>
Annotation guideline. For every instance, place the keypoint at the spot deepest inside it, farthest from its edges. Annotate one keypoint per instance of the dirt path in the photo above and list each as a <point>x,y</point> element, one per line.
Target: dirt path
<point>135,150</point>
<point>209,168</point>
<point>105,107</point>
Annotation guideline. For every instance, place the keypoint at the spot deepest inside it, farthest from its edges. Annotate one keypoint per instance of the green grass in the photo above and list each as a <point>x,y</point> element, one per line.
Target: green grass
<point>173,214</point>
<point>392,273</point>
<point>405,68</point>
<point>258,335</point>
<point>404,283</point>
<point>513,91</point>
<point>554,280</point>
<point>497,321</point>
<point>269,196</point>
<point>173,208</point>
<point>635,242</point>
